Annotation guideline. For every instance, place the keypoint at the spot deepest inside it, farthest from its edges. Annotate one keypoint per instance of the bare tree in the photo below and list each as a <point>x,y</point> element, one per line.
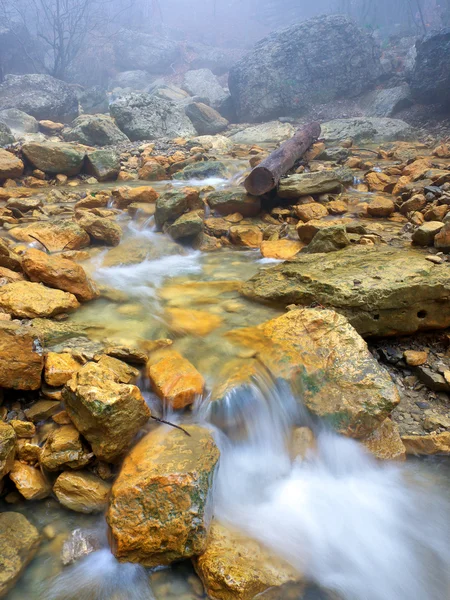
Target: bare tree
<point>62,26</point>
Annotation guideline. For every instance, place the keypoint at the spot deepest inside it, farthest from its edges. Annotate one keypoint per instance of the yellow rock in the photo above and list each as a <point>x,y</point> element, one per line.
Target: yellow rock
<point>63,449</point>
<point>379,182</point>
<point>427,445</point>
<point>235,567</point>
<point>281,249</point>
<point>249,236</point>
<point>23,429</point>
<point>415,358</point>
<point>30,300</point>
<point>21,357</point>
<point>385,442</point>
<point>123,373</point>
<point>29,481</point>
<point>10,166</point>
<point>55,236</point>
<point>192,322</point>
<point>124,196</point>
<point>7,448</point>
<point>82,491</point>
<point>175,379</point>
<point>59,368</point>
<point>308,212</point>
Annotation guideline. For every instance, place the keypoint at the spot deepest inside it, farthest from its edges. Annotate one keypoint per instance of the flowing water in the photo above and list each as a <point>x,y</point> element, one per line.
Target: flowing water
<point>351,525</point>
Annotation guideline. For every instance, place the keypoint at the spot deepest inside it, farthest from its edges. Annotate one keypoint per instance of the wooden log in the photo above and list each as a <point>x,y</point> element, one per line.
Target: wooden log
<point>265,176</point>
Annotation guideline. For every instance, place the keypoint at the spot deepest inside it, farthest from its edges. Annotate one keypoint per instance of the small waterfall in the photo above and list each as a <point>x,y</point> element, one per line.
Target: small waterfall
<point>363,529</point>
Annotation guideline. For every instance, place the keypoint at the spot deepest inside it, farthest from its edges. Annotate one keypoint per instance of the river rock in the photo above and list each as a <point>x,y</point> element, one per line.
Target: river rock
<point>29,481</point>
<point>146,117</point>
<point>442,239</point>
<point>329,239</point>
<point>430,81</point>
<point>151,170</point>
<point>94,130</point>
<point>136,80</point>
<point>64,450</point>
<point>382,291</point>
<point>248,236</point>
<point>425,234</point>
<point>235,567</point>
<point>292,69</point>
<point>203,83</point>
<point>143,52</point>
<point>55,158</point>
<point>82,492</point>
<point>387,102</point>
<point>11,167</point>
<point>170,206</point>
<point>106,413</point>
<point>203,170</point>
<point>265,133</point>
<point>100,229</point>
<point>188,225</point>
<point>41,96</point>
<point>19,541</point>
<point>60,273</point>
<point>160,506</point>
<point>18,121</point>
<point>59,368</point>
<point>55,236</point>
<point>366,128</point>
<point>380,207</point>
<point>124,196</point>
<point>385,442</point>
<point>234,200</point>
<point>175,380</point>
<point>328,366</point>
<point>205,119</point>
<point>280,249</point>
<point>306,184</point>
<point>30,300</point>
<point>427,445</point>
<point>6,136</point>
<point>7,448</point>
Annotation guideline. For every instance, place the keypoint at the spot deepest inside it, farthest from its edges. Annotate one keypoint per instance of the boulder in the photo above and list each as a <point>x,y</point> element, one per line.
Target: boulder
<point>136,80</point>
<point>203,83</point>
<point>7,448</point>
<point>146,117</point>
<point>28,300</point>
<point>329,239</point>
<point>292,69</point>
<point>175,380</point>
<point>124,196</point>
<point>104,165</point>
<point>100,229</point>
<point>265,133</point>
<point>59,368</point>
<point>40,96</point>
<point>160,506</point>
<point>55,236</point>
<point>55,158</point>
<point>64,450</point>
<point>235,567</point>
<point>387,102</point>
<point>203,170</point>
<point>18,121</point>
<point>430,79</point>
<point>192,322</point>
<point>305,184</point>
<point>11,167</point>
<point>397,291</point>
<point>248,236</point>
<point>19,541</point>
<point>151,170</point>
<point>327,365</point>
<point>425,234</point>
<point>21,355</point>
<point>385,442</point>
<point>82,492</point>
<point>6,136</point>
<point>108,414</point>
<point>310,211</point>
<point>205,119</point>
<point>29,481</point>
<point>188,225</point>
<point>144,52</point>
<point>60,273</point>
<point>170,206</point>
<point>93,101</point>
<point>235,200</point>
<point>167,91</point>
<point>376,129</point>
<point>442,239</point>
<point>380,207</point>
<point>94,130</point>
<point>218,60</point>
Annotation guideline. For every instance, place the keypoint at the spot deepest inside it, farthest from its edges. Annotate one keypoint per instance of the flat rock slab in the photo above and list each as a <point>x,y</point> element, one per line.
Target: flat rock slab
<point>382,291</point>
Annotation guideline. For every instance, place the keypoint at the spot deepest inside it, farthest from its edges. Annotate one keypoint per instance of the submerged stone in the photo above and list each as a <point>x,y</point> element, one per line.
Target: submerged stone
<point>382,291</point>
<point>160,507</point>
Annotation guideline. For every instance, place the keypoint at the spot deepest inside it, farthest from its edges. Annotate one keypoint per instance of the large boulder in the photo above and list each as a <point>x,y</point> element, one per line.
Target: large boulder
<point>366,128</point>
<point>205,84</point>
<point>30,300</point>
<point>160,507</point>
<point>146,117</point>
<point>326,363</point>
<point>430,79</point>
<point>382,291</point>
<point>266,133</point>
<point>205,119</point>
<point>40,96</point>
<point>55,158</point>
<point>19,541</point>
<point>104,165</point>
<point>18,121</point>
<point>218,60</point>
<point>387,102</point>
<point>93,100</point>
<point>142,51</point>
<point>107,413</point>
<point>312,62</point>
<point>22,358</point>
<point>94,130</point>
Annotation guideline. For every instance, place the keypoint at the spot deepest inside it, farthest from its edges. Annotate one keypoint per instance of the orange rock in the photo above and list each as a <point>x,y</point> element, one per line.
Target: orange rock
<point>249,236</point>
<point>415,358</point>
<point>151,170</point>
<point>280,249</point>
<point>29,481</point>
<point>442,240</point>
<point>82,492</point>
<point>427,445</point>
<point>10,166</point>
<point>385,442</point>
<point>192,322</point>
<point>415,203</point>
<point>417,169</point>
<point>59,368</point>
<point>308,212</point>
<point>437,213</point>
<point>337,207</point>
<point>175,379</point>
<point>380,207</point>
<point>124,196</point>
<point>379,182</point>
<point>353,162</point>
<point>442,151</point>
<point>315,150</point>
<point>22,360</point>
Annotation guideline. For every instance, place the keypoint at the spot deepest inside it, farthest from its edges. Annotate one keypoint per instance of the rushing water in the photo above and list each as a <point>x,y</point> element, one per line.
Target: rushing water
<point>351,525</point>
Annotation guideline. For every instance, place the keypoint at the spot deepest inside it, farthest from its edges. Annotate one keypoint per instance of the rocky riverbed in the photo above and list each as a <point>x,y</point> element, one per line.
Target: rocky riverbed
<point>140,281</point>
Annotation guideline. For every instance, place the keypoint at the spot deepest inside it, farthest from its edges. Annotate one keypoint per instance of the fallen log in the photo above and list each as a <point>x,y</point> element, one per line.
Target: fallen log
<point>265,176</point>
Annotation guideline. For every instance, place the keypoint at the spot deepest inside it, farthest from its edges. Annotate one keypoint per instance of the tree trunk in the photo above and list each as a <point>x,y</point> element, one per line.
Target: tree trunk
<point>268,173</point>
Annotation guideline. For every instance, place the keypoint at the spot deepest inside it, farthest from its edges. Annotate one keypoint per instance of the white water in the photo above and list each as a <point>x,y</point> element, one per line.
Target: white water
<point>366,530</point>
